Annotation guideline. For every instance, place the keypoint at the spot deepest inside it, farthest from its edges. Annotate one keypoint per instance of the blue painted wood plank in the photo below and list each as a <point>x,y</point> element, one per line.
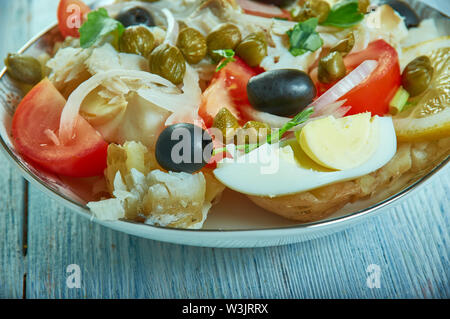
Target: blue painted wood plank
<point>13,21</point>
<point>409,243</point>
<point>12,268</point>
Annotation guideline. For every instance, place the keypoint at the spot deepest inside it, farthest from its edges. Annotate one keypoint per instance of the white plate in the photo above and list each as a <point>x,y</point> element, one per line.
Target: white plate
<point>234,222</point>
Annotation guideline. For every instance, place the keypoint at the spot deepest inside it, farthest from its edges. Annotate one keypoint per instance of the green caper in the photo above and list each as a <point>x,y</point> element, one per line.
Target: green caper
<point>363,5</point>
<point>168,61</point>
<point>227,123</point>
<point>331,68</point>
<point>192,44</point>
<point>255,132</point>
<point>313,9</point>
<point>137,40</point>
<point>346,45</point>
<point>417,76</point>
<point>256,125</point>
<point>253,49</point>
<point>24,68</point>
<point>225,37</point>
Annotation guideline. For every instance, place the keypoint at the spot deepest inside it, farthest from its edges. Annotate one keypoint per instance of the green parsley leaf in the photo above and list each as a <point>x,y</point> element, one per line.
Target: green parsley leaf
<point>228,55</point>
<point>98,28</point>
<point>344,14</point>
<point>304,37</point>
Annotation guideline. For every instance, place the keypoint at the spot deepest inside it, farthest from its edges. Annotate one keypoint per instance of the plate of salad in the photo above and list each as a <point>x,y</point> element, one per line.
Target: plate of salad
<point>230,123</point>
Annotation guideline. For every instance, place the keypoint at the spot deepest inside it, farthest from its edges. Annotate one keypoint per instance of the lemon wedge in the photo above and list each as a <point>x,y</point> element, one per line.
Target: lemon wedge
<point>423,48</point>
<point>429,116</point>
<point>340,144</point>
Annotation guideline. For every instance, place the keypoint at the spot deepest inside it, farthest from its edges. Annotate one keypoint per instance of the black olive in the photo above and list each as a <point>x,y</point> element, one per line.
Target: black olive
<point>279,3</point>
<point>135,16</point>
<point>283,92</point>
<point>404,9</point>
<point>183,147</point>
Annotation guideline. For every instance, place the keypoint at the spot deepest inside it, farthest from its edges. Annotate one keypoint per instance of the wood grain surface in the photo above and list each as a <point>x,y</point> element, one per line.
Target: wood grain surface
<point>39,239</point>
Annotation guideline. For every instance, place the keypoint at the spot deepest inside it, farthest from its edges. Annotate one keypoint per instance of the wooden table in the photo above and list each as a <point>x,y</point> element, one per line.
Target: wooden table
<point>39,239</point>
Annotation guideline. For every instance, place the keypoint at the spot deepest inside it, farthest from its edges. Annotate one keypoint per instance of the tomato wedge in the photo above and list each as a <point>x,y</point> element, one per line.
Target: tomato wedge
<point>37,119</point>
<point>378,90</point>
<point>220,155</point>
<point>71,15</point>
<point>237,74</point>
<point>375,93</point>
<point>214,98</point>
<point>228,89</point>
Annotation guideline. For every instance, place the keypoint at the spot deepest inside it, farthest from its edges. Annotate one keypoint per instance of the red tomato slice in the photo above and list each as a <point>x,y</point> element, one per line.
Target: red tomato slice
<point>378,90</point>
<point>214,98</point>
<point>218,145</point>
<point>39,112</point>
<point>228,89</point>
<point>71,15</point>
<point>237,74</point>
<point>374,94</point>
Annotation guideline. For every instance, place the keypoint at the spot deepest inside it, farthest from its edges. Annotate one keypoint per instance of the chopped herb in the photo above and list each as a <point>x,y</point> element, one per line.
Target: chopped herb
<point>244,147</point>
<point>100,27</point>
<point>300,118</point>
<point>228,55</point>
<point>344,14</point>
<point>399,101</point>
<point>304,37</point>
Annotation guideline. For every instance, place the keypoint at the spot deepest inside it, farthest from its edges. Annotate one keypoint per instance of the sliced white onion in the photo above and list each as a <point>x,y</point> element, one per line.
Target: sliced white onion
<point>71,110</point>
<point>172,27</point>
<point>340,112</point>
<point>334,109</point>
<point>184,106</point>
<point>354,78</point>
<point>330,109</point>
<point>274,121</point>
<point>52,136</point>
<point>267,9</point>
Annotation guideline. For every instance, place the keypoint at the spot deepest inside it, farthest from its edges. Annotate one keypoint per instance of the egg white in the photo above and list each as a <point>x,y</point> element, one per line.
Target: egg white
<point>267,172</point>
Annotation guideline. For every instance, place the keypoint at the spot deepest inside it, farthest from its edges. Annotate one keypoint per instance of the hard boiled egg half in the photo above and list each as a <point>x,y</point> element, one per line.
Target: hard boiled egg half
<point>324,152</point>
